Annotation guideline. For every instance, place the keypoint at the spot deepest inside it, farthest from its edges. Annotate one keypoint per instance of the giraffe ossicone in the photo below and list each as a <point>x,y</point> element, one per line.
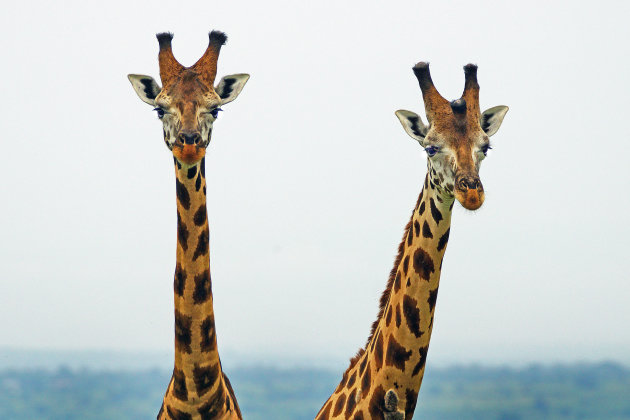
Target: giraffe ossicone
<point>384,378</point>
<point>188,103</point>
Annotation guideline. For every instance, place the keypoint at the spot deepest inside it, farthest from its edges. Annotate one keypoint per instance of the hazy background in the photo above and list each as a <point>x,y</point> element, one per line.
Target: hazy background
<point>312,179</point>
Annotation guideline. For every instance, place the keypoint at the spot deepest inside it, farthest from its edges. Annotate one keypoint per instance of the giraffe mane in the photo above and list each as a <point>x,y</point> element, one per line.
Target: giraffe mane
<point>387,292</point>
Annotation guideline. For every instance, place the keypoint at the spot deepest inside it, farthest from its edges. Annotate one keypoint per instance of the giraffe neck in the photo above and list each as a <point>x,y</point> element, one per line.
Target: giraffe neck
<point>395,354</point>
<point>198,385</point>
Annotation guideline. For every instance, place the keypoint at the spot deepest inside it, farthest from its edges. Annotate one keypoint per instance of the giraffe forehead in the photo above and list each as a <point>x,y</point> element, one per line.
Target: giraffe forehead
<point>457,136</point>
<point>188,93</point>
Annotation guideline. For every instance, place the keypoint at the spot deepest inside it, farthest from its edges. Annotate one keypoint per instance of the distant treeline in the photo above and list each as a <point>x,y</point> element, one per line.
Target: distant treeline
<point>580,391</point>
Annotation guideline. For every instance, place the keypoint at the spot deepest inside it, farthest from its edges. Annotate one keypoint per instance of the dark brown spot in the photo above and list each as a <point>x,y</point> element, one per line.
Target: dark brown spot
<point>412,315</point>
<point>358,416</point>
<point>423,359</point>
<point>214,407</point>
<point>378,352</point>
<point>362,366</point>
<point>200,215</point>
<point>192,171</point>
<point>179,385</point>
<point>324,413</point>
<point>208,334</point>
<point>435,213</point>
<point>377,403</point>
<point>182,233</point>
<point>396,355</point>
<point>397,282</point>
<point>175,414</point>
<point>410,405</point>
<point>443,240</point>
<point>388,318</point>
<point>179,283</point>
<point>341,401</point>
<point>421,210</point>
<point>205,377</point>
<point>398,320</point>
<point>365,380</point>
<point>409,237</point>
<point>426,230</point>
<point>423,264</point>
<point>352,378</point>
<point>405,265</point>
<point>203,287</point>
<point>202,245</point>
<point>198,183</point>
<point>432,299</point>
<point>182,194</point>
<point>182,332</point>
<point>351,403</point>
<point>416,227</point>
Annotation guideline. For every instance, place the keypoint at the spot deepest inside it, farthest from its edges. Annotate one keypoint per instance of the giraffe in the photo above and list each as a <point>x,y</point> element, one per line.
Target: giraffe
<point>383,379</point>
<point>188,104</point>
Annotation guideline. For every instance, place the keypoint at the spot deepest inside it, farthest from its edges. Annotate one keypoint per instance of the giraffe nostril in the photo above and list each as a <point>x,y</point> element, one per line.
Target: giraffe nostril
<point>189,138</point>
<point>468,184</point>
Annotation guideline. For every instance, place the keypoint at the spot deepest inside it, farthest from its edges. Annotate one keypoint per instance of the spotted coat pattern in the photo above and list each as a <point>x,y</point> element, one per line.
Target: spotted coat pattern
<point>199,389</point>
<point>395,354</point>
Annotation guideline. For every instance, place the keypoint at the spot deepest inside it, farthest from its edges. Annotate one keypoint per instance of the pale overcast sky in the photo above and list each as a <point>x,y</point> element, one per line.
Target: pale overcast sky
<point>311,178</point>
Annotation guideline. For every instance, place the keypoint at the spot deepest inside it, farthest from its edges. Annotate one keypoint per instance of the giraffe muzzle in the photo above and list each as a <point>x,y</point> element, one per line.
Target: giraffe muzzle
<point>469,192</point>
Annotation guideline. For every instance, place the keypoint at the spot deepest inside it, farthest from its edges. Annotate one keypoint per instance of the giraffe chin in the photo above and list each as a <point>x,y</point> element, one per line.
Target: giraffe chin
<point>471,199</point>
<point>189,153</point>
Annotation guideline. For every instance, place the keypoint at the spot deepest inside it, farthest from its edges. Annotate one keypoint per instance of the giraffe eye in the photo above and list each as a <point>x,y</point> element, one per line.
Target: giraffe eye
<point>485,149</point>
<point>431,150</point>
<point>160,112</point>
<point>215,112</point>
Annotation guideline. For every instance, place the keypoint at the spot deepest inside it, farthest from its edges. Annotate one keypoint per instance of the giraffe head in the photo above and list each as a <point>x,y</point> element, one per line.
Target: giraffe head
<point>188,103</point>
<point>457,137</point>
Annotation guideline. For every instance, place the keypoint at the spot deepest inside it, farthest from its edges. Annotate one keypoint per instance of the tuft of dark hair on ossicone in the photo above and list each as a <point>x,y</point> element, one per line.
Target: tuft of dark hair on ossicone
<point>217,38</point>
<point>164,39</point>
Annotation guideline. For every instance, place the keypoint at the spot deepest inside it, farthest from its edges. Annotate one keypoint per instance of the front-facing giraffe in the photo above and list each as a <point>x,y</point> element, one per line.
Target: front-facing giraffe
<point>383,379</point>
<point>188,104</point>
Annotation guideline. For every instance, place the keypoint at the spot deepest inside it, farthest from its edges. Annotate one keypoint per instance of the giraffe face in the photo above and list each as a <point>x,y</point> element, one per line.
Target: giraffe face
<point>455,148</point>
<point>188,109</point>
<point>188,104</point>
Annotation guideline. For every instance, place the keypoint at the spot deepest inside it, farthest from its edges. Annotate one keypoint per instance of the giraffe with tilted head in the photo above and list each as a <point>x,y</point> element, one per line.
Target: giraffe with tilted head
<point>188,103</point>
<point>384,378</point>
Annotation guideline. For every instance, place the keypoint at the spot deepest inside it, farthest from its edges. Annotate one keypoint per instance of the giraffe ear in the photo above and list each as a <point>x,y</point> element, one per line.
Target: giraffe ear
<point>146,88</point>
<point>492,118</point>
<point>413,125</point>
<point>230,86</point>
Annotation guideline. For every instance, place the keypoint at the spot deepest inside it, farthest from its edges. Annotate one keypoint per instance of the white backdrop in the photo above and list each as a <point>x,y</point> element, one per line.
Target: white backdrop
<point>311,178</point>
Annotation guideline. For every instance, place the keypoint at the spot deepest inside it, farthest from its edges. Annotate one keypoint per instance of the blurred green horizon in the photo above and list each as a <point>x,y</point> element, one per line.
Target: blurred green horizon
<point>556,392</point>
